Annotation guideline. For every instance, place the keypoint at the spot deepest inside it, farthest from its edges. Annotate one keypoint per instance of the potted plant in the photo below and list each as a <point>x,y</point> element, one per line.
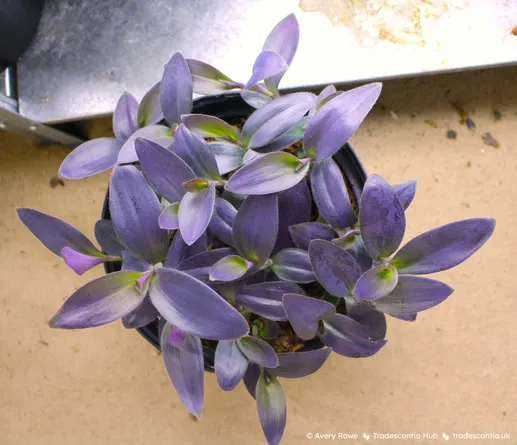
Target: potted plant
<point>242,232</point>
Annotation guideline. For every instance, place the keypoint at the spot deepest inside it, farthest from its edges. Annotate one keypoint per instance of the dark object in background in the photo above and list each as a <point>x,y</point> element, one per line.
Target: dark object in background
<point>18,22</point>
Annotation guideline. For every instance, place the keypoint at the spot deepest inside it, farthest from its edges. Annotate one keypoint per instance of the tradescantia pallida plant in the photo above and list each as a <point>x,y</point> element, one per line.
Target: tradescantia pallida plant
<point>241,238</point>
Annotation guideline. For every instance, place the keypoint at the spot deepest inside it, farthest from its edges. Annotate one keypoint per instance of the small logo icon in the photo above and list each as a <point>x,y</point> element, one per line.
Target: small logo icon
<point>309,435</point>
<point>445,436</point>
<point>366,436</point>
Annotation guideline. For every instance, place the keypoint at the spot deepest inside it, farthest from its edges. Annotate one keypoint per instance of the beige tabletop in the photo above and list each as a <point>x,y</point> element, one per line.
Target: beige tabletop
<point>452,371</point>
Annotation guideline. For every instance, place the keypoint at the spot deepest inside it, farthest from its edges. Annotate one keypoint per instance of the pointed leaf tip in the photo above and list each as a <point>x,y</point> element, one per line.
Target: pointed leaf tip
<point>271,407</point>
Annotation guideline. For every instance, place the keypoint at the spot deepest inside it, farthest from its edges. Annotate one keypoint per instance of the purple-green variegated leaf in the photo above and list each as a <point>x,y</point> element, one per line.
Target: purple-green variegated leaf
<point>326,92</point>
<point>254,235</point>
<point>208,80</point>
<point>271,407</point>
<point>406,192</point>
<point>56,234</point>
<point>150,112</point>
<point>195,212</point>
<point>328,99</point>
<point>99,302</point>
<point>228,156</point>
<point>125,117</point>
<point>267,64</point>
<point>331,195</point>
<point>81,262</point>
<point>134,209</point>
<point>210,126</point>
<point>290,137</point>
<point>413,294</point>
<point>381,217</point>
<point>91,158</point>
<point>365,314</point>
<point>274,119</point>
<point>377,282</point>
<point>107,238</point>
<point>199,265</point>
<point>267,174</point>
<point>255,99</point>
<point>229,268</point>
<point>270,329</point>
<point>295,365</point>
<point>293,265</point>
<point>168,219</point>
<point>335,269</point>
<point>158,134</point>
<point>294,207</point>
<point>142,315</point>
<point>195,152</point>
<point>196,185</point>
<point>331,127</point>
<point>444,247</point>
<point>195,308</point>
<point>258,351</point>
<point>304,313</point>
<point>176,89</point>
<point>349,338</point>
<point>302,234</point>
<point>186,369</point>
<point>179,250</point>
<point>166,171</point>
<point>265,299</point>
<point>251,377</point>
<point>131,262</point>
<point>230,364</point>
<point>221,224</point>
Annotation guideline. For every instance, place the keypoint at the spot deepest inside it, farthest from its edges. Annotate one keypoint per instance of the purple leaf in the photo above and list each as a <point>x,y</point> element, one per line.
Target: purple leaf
<point>193,307</point>
<point>444,247</point>
<point>336,270</point>
<point>412,295</point>
<point>228,156</point>
<point>303,234</point>
<point>99,302</point>
<point>290,137</point>
<point>221,224</point>
<point>186,369</point>
<point>229,268</point>
<point>251,155</point>
<point>195,213</point>
<point>125,117</point>
<point>409,317</point>
<point>253,235</point>
<point>326,92</point>
<point>230,364</point>
<point>54,233</point>
<point>179,250</point>
<point>131,262</point>
<point>198,266</point>
<point>405,192</point>
<point>294,206</point>
<point>293,265</point>
<point>165,170</point>
<point>304,313</point>
<point>168,219</point>
<point>274,119</point>
<point>142,315</point>
<point>258,351</point>
<point>265,299</point>
<point>331,195</point>
<point>91,158</point>
<point>376,283</point>
<point>81,262</point>
<point>331,127</point>
<point>349,338</point>
<point>134,209</point>
<point>271,407</point>
<point>295,365</point>
<point>107,238</point>
<point>177,338</point>
<point>176,89</point>
<point>267,64</point>
<point>381,217</point>
<point>372,320</point>
<point>158,134</point>
<point>208,80</point>
<point>251,377</point>
<point>255,99</point>
<point>270,173</point>
<point>354,245</point>
<point>196,153</point>
<point>150,112</point>
<point>210,126</point>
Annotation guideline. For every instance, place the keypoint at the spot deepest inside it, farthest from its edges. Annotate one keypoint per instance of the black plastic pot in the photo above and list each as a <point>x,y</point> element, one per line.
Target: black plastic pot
<point>230,107</point>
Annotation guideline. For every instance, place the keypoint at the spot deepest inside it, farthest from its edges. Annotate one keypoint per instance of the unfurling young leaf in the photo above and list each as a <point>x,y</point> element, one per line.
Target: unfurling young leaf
<point>208,80</point>
<point>230,268</point>
<point>376,283</point>
<point>209,126</point>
